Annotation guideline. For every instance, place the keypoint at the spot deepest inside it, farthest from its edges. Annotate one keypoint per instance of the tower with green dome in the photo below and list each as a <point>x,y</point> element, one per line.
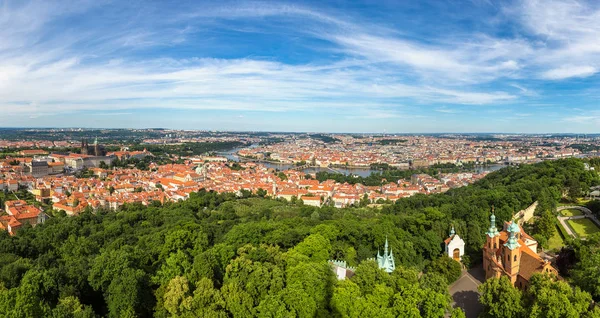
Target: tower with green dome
<point>490,250</point>
<point>512,253</point>
<point>386,261</point>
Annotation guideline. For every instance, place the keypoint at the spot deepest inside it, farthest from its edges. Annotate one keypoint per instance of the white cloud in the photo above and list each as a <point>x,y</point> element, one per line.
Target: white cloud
<point>45,69</point>
<point>569,71</point>
<point>567,31</point>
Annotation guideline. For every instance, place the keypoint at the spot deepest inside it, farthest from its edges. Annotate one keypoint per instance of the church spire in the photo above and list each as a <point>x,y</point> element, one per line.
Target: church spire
<point>512,242</point>
<point>386,261</point>
<point>492,231</point>
<point>452,232</point>
<point>385,251</point>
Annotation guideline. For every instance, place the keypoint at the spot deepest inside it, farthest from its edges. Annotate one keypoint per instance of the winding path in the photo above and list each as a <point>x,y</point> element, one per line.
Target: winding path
<point>587,213</point>
<point>575,207</point>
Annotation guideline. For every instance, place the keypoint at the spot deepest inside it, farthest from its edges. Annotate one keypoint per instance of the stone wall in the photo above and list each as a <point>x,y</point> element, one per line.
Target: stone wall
<point>526,214</point>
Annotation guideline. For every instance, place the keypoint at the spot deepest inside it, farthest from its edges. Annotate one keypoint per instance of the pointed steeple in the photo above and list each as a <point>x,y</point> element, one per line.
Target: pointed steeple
<point>385,251</point>
<point>492,231</point>
<point>452,232</point>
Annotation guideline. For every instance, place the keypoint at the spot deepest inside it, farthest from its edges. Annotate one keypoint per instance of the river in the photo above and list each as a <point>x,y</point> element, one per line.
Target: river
<point>363,172</point>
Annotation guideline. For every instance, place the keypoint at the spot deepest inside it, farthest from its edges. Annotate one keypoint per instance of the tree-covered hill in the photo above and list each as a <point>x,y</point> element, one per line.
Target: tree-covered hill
<point>216,255</point>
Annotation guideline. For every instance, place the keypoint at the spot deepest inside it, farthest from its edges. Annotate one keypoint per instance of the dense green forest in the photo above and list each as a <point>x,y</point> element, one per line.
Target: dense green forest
<point>217,255</point>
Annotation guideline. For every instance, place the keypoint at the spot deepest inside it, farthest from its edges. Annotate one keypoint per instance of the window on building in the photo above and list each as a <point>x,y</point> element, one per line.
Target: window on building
<point>515,258</point>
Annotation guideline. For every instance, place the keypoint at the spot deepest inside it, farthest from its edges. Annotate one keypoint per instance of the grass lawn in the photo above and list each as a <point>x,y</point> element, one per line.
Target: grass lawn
<point>582,201</point>
<point>556,241</point>
<point>570,212</point>
<point>583,227</point>
<point>579,201</point>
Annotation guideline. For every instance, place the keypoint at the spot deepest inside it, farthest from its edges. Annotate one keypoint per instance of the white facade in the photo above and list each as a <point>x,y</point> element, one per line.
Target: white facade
<point>311,201</point>
<point>341,269</point>
<point>454,243</point>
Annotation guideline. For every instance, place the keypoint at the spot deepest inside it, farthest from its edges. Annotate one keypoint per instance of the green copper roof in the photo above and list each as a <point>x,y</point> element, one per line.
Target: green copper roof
<point>386,261</point>
<point>452,232</point>
<point>492,231</point>
<point>512,242</point>
<point>514,227</point>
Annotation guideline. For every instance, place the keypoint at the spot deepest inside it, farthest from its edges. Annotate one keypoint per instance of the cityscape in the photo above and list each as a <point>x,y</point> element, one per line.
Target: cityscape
<point>302,167</point>
<point>309,159</point>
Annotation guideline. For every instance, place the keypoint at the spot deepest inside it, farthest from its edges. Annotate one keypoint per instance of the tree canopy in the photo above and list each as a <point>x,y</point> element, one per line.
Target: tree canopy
<point>224,256</point>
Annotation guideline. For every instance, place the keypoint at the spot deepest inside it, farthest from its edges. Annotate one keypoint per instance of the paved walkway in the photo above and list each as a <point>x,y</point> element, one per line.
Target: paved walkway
<point>575,207</point>
<point>587,213</point>
<point>465,294</point>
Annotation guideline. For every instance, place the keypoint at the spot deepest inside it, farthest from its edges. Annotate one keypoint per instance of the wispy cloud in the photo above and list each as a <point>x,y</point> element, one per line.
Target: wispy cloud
<point>133,60</point>
<point>567,31</point>
<point>447,110</point>
<point>569,71</point>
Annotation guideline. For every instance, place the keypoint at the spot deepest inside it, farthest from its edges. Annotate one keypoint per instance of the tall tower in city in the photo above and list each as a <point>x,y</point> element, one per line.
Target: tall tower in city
<point>84,146</point>
<point>96,150</point>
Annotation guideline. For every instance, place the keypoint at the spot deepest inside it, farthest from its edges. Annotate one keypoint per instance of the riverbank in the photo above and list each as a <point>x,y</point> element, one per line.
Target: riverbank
<point>347,170</point>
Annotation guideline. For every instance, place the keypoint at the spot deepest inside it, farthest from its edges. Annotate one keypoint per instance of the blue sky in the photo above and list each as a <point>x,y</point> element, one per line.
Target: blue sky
<point>327,66</point>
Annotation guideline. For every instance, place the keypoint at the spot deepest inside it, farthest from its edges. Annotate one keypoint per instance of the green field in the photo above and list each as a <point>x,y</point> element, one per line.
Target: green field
<point>556,241</point>
<point>570,212</point>
<point>579,201</point>
<point>583,227</point>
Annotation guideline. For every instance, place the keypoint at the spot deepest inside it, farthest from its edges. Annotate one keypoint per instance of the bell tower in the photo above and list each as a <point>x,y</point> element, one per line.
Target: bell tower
<point>493,237</point>
<point>512,252</point>
<point>491,248</point>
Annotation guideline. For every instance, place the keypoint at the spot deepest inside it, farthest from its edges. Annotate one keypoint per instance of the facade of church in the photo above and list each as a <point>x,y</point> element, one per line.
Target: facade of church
<point>454,246</point>
<point>385,262</point>
<point>95,150</point>
<point>512,253</point>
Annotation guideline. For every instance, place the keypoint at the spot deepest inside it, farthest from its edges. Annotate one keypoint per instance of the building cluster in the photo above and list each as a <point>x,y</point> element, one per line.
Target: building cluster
<point>17,213</point>
<point>407,151</point>
<point>39,163</point>
<point>20,144</point>
<point>111,188</point>
<point>178,137</point>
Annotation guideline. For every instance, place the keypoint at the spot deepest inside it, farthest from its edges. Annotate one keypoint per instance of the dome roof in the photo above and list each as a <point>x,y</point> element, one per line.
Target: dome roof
<point>514,227</point>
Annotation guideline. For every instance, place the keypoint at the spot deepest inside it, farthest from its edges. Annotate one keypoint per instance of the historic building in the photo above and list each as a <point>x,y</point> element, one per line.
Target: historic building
<point>18,213</point>
<point>94,150</point>
<point>341,269</point>
<point>386,261</point>
<point>512,253</point>
<point>454,246</point>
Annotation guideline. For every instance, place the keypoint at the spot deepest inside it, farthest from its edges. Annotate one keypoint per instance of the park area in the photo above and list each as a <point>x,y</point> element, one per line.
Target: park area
<point>583,227</point>
<point>571,212</point>
<point>555,242</point>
